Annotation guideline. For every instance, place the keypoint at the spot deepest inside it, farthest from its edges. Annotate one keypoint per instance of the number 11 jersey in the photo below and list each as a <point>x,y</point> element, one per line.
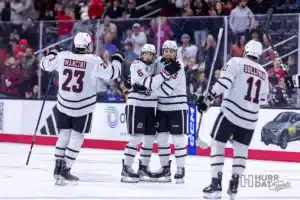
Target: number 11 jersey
<point>245,86</point>
<point>78,79</point>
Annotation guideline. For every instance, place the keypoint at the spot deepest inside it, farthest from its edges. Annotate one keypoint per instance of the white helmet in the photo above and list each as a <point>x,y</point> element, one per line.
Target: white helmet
<point>83,41</point>
<point>253,48</point>
<point>148,48</point>
<point>170,44</point>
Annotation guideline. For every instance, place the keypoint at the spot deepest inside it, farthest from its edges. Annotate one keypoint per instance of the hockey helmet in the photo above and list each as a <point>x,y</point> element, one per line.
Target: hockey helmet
<point>148,54</point>
<point>83,41</point>
<point>169,49</point>
<point>253,49</point>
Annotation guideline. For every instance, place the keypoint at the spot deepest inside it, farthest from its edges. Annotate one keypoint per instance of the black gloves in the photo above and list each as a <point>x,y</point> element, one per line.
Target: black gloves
<point>141,89</point>
<point>54,51</point>
<point>205,101</point>
<point>127,82</point>
<point>171,68</point>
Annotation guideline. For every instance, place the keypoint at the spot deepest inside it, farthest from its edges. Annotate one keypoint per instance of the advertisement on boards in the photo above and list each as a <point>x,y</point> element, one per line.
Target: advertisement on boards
<point>192,129</point>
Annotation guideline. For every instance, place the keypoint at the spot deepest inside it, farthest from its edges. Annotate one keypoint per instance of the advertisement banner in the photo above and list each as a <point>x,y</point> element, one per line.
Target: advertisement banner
<point>192,129</point>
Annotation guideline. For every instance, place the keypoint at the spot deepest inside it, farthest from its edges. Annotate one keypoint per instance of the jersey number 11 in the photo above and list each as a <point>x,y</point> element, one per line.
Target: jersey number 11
<point>250,82</point>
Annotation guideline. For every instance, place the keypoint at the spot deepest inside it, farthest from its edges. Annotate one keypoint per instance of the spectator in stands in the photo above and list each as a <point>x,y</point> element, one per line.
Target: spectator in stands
<point>28,66</point>
<point>21,10</point>
<point>80,7</point>
<point>254,36</point>
<point>107,27</point>
<point>207,53</point>
<point>292,65</point>
<point>276,70</point>
<point>187,50</point>
<point>12,78</point>
<point>6,13</point>
<point>200,8</point>
<point>131,11</point>
<point>85,25</point>
<point>64,27</point>
<point>129,53</point>
<point>138,38</point>
<point>241,19</point>
<point>220,10</point>
<point>32,93</point>
<point>259,6</point>
<point>165,32</point>
<point>237,49</point>
<point>20,49</point>
<point>187,9</point>
<point>114,11</point>
<point>96,9</point>
<point>30,33</point>
<point>113,93</point>
<point>279,95</point>
<point>108,45</point>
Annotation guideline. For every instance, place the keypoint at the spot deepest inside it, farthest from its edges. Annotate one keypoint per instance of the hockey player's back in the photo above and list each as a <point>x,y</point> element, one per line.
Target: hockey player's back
<point>248,90</point>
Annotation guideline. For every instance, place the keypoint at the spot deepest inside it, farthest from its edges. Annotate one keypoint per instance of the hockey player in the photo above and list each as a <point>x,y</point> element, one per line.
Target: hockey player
<point>78,72</point>
<point>244,83</point>
<point>171,116</point>
<point>140,112</point>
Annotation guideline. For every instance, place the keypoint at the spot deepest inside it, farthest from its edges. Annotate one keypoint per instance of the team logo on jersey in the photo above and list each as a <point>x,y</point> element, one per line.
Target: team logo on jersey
<point>112,116</point>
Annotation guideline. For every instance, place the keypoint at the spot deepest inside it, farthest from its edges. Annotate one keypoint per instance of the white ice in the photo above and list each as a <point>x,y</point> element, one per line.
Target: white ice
<point>99,171</point>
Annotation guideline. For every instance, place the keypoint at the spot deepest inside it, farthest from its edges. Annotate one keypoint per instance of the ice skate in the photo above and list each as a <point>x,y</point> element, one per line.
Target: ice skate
<point>233,186</point>
<point>128,175</point>
<point>214,190</point>
<point>179,176</point>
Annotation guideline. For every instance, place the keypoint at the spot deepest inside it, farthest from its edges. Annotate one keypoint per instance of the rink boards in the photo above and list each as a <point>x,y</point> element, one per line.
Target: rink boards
<point>18,120</point>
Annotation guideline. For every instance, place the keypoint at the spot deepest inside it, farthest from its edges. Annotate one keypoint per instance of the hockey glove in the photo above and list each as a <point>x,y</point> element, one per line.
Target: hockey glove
<point>205,101</point>
<point>118,56</point>
<point>173,67</point>
<point>53,52</point>
<point>170,69</point>
<point>127,82</point>
<point>141,89</point>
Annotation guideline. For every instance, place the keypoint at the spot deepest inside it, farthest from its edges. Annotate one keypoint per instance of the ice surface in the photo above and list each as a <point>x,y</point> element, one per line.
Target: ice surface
<point>99,171</point>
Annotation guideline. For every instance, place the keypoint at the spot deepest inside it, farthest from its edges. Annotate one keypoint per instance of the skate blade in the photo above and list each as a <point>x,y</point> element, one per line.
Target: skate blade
<point>164,180</point>
<point>129,180</point>
<point>147,179</point>
<point>63,182</point>
<point>215,195</point>
<point>179,181</point>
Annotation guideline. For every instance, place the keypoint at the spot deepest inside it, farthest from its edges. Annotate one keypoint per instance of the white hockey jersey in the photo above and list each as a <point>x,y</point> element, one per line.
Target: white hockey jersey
<point>245,86</point>
<point>78,76</point>
<point>143,74</point>
<point>172,93</point>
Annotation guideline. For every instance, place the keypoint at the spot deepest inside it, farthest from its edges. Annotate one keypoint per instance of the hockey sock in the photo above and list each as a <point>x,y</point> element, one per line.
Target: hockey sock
<point>146,149</point>
<point>131,148</point>
<point>164,150</point>
<point>180,149</point>
<point>217,157</point>
<point>73,148</point>
<point>62,143</point>
<point>240,158</point>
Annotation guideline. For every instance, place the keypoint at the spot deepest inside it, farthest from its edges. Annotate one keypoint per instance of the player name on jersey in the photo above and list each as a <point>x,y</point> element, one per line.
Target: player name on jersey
<point>75,63</point>
<point>254,71</point>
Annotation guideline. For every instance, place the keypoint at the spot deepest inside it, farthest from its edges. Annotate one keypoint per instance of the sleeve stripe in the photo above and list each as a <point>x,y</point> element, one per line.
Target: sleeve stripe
<point>144,82</point>
<point>168,85</point>
<point>262,99</point>
<point>222,85</point>
<point>164,90</point>
<point>113,72</point>
<point>150,85</point>
<point>43,67</point>
<point>226,79</point>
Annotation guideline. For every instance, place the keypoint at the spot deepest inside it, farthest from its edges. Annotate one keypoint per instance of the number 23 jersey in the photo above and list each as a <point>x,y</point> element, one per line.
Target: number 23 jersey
<point>78,76</point>
<point>245,86</point>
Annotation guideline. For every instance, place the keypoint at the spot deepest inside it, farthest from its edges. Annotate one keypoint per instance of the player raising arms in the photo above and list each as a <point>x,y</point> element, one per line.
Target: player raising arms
<point>244,83</point>
<point>78,72</point>
<point>140,112</point>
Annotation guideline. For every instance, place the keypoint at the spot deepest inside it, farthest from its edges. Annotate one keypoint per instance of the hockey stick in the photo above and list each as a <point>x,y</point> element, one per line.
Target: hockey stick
<point>199,141</point>
<point>39,119</point>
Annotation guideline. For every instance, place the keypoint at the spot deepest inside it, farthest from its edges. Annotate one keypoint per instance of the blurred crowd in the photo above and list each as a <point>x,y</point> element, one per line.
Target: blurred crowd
<point>194,24</point>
